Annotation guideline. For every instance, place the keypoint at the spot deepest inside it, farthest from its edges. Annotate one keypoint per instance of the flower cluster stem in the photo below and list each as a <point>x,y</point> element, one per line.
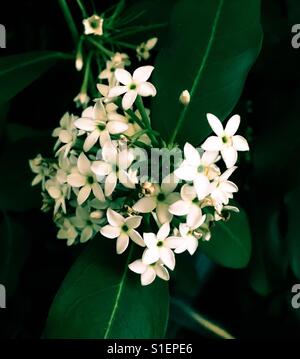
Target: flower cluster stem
<point>69,19</point>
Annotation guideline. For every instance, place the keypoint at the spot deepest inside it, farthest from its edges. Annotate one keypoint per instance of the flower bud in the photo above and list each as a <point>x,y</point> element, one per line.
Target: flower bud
<point>79,62</point>
<point>185,97</point>
<point>96,214</point>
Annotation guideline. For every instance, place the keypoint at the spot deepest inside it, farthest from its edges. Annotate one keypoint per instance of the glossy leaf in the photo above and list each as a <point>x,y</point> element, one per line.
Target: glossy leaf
<point>102,298</point>
<point>210,48</point>
<point>230,243</point>
<point>19,71</point>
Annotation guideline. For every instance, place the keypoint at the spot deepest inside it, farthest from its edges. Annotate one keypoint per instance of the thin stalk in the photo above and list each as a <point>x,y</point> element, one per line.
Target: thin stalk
<point>87,72</point>
<point>137,30</point>
<point>82,9</point>
<point>122,43</point>
<point>100,46</point>
<point>69,19</point>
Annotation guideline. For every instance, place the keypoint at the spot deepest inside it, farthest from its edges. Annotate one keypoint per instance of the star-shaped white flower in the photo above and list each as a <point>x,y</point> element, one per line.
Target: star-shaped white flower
<point>133,85</point>
<point>149,272</point>
<point>226,141</point>
<point>199,169</point>
<point>100,121</point>
<point>58,192</point>
<point>88,225</point>
<point>118,61</point>
<point>159,247</point>
<point>122,229</point>
<point>188,241</point>
<point>222,189</point>
<point>82,177</point>
<point>188,205</point>
<point>143,50</point>
<point>82,99</point>
<point>160,199</point>
<point>93,25</point>
<point>114,167</point>
<point>67,231</point>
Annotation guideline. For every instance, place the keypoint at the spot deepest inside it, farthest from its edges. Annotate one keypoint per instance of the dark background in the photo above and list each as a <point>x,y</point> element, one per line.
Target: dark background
<point>253,302</point>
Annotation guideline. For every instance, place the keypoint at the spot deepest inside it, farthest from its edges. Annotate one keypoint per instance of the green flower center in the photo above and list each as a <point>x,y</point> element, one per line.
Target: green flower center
<point>94,24</point>
<point>112,69</point>
<point>224,139</point>
<point>125,228</point>
<point>132,87</point>
<point>90,180</point>
<point>160,244</point>
<point>161,197</point>
<point>201,169</point>
<point>101,126</point>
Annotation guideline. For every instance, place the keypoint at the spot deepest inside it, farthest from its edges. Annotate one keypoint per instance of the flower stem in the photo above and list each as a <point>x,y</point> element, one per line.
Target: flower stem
<point>87,71</point>
<point>69,19</point>
<point>100,47</point>
<point>82,8</point>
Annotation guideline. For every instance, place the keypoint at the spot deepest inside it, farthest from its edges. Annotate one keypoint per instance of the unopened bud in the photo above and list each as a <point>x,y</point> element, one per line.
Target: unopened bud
<point>79,62</point>
<point>185,97</point>
<point>148,188</point>
<point>96,214</point>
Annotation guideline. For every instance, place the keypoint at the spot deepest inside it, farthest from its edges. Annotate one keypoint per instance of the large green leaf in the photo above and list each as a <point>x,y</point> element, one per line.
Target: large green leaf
<point>230,243</point>
<point>101,298</point>
<point>210,48</point>
<point>19,71</point>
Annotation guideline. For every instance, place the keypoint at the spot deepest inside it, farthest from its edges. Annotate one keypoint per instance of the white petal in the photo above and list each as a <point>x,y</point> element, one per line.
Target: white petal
<point>150,256</point>
<point>213,143</point>
<point>123,76</point>
<point>146,89</point>
<point>138,266</point>
<point>192,245</point>
<point>122,243</point>
<point>148,276</point>
<point>179,208</point>
<point>88,112</point>
<point>101,168</point>
<point>229,155</point>
<point>133,221</point>
<point>83,164</point>
<point>188,193</point>
<point>173,242</point>
<point>136,237</point>
<point>128,99</point>
<point>142,73</point>
<point>186,172</point>
<point>90,140</point>
<point>163,232</point>
<point>83,194</point>
<point>76,180</point>
<point>98,192</point>
<point>103,89</point>
<point>151,43</point>
<point>110,231</point>
<point>145,205</point>
<point>117,91</point>
<point>169,183</point>
<point>110,153</point>
<point>125,179</point>
<point>116,127</point>
<point>191,155</point>
<point>229,187</point>
<point>110,184</point>
<point>150,240</point>
<point>114,218</point>
<point>162,272</point>
<point>215,124</point>
<point>104,138</point>
<point>232,125</point>
<point>167,257</point>
<point>228,173</point>
<point>202,186</point>
<point>240,143</point>
<point>209,157</point>
<point>86,124</point>
<point>163,214</point>
<point>86,234</point>
<point>194,218</point>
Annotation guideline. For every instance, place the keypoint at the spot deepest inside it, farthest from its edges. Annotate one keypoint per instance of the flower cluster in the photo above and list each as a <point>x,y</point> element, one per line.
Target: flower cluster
<point>98,181</point>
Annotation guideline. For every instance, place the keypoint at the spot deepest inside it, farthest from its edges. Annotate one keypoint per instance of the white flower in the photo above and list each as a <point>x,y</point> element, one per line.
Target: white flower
<point>159,197</point>
<point>199,169</point>
<point>122,229</point>
<point>82,99</point>
<point>149,272</point>
<point>118,61</point>
<point>58,192</point>
<point>188,205</point>
<point>93,25</point>
<point>222,189</point>
<point>100,121</point>
<point>159,247</point>
<point>143,50</point>
<point>225,141</point>
<point>67,231</point>
<point>85,221</point>
<point>41,169</point>
<point>114,166</point>
<point>188,241</point>
<point>219,216</point>
<point>66,133</point>
<point>133,85</point>
<point>82,177</point>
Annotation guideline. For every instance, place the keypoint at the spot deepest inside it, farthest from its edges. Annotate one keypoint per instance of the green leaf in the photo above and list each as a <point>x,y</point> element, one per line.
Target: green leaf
<point>209,50</point>
<point>102,298</point>
<point>16,193</point>
<point>230,243</point>
<point>19,71</point>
